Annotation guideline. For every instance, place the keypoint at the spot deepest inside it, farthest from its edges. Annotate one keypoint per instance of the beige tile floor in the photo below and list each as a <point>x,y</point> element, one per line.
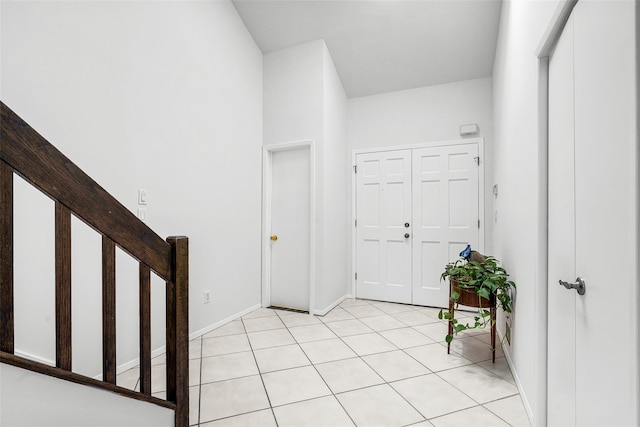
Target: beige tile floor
<point>365,363</point>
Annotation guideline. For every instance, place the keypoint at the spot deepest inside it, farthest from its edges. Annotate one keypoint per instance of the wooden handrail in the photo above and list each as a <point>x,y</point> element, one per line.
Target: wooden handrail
<point>45,167</point>
<point>25,152</point>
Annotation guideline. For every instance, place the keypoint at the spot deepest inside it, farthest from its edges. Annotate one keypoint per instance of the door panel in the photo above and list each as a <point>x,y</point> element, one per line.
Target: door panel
<point>604,73</point>
<point>290,216</point>
<point>593,356</point>
<point>383,203</point>
<point>562,262</point>
<point>430,205</point>
<point>445,217</point>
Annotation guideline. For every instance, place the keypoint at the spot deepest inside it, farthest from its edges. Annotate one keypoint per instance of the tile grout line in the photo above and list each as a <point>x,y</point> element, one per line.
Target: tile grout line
<point>391,386</point>
<point>255,360</point>
<point>478,404</point>
<point>200,380</point>
<point>357,356</point>
<point>373,331</point>
<point>501,418</point>
<point>380,376</point>
<point>322,378</point>
<point>245,334</point>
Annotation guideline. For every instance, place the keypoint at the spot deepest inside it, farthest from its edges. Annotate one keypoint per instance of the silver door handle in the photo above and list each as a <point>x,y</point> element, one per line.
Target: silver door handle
<point>580,286</point>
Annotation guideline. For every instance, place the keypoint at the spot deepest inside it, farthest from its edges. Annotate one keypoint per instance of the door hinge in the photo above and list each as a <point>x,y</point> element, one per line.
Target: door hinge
<point>478,223</point>
<point>355,169</point>
<point>356,222</point>
<point>477,160</point>
<point>356,276</point>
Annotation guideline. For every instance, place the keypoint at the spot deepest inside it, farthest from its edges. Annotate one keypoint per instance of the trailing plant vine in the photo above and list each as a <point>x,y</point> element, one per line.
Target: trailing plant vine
<point>488,279</point>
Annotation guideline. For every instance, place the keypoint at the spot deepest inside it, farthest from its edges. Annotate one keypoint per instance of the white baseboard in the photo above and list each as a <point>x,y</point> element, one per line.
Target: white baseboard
<point>124,367</point>
<point>34,358</point>
<point>135,362</point>
<point>222,322</point>
<point>332,306</point>
<point>516,378</point>
<point>161,350</point>
<point>157,352</point>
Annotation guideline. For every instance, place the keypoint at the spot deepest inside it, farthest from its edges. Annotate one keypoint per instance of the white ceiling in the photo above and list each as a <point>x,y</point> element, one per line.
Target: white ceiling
<point>383,46</point>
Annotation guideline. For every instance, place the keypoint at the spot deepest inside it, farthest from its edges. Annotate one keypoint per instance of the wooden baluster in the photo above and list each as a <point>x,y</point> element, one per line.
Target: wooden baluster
<point>108,310</point>
<point>63,286</point>
<point>145,329</point>
<point>6,258</point>
<point>178,330</point>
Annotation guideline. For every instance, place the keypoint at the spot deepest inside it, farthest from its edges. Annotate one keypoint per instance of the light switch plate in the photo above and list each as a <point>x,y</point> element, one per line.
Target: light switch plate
<point>142,197</point>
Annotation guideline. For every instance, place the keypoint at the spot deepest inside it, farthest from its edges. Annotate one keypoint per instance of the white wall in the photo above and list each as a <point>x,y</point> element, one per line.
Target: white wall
<point>165,96</point>
<point>427,114</point>
<point>293,93</point>
<point>336,185</point>
<point>304,99</point>
<point>518,169</point>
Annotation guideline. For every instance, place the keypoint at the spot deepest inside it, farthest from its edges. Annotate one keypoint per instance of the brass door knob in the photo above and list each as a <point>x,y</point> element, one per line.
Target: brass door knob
<point>274,238</point>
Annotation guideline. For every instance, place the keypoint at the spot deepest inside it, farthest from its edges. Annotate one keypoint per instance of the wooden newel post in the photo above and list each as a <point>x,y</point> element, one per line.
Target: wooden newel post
<point>178,330</point>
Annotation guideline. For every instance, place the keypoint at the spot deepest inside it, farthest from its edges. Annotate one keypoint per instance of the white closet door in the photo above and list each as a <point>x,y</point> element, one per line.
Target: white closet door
<point>383,203</point>
<point>593,371</point>
<point>445,215</point>
<point>290,224</point>
<point>562,249</point>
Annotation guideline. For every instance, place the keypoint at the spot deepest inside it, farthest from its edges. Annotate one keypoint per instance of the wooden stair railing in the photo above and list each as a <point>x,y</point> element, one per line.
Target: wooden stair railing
<point>26,153</point>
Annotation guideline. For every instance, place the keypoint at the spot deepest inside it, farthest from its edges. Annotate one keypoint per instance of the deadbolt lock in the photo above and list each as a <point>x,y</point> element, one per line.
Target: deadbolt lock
<point>274,237</point>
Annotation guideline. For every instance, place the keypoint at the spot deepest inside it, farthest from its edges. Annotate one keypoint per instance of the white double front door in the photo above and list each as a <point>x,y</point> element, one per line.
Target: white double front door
<point>416,210</point>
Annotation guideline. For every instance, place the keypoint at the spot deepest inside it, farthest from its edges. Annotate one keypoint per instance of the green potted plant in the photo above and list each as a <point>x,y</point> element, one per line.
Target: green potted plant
<point>476,281</point>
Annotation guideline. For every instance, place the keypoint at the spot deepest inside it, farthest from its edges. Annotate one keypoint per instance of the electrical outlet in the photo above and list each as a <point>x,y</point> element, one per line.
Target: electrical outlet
<point>207,297</point>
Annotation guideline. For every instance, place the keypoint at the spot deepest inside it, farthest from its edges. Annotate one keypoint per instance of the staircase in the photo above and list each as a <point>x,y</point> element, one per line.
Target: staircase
<point>26,153</point>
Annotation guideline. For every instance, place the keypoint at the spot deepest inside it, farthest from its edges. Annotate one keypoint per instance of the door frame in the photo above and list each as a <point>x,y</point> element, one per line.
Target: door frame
<point>267,160</point>
<point>541,336</point>
<point>481,189</point>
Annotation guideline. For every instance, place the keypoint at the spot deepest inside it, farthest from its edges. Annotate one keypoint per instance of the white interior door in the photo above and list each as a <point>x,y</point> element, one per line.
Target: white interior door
<point>383,203</point>
<point>592,338</point>
<point>561,381</point>
<point>445,215</point>
<point>290,225</point>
